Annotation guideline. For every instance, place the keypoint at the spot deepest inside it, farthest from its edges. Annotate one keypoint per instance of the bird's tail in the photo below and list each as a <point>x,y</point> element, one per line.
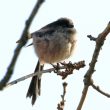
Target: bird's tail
<point>35,85</point>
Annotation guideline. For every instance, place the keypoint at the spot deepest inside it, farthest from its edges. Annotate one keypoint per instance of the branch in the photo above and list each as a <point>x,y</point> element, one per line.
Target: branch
<point>87,78</point>
<point>84,93</point>
<point>97,88</point>
<point>34,74</point>
<point>69,68</point>
<point>62,103</point>
<point>23,40</point>
<point>91,38</point>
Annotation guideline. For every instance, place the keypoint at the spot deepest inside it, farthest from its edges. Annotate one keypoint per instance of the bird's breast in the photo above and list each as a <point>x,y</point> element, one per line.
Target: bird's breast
<point>55,48</point>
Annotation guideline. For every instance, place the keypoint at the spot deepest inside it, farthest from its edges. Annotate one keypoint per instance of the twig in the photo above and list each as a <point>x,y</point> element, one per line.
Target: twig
<point>69,68</point>
<point>91,38</point>
<point>97,88</point>
<point>87,78</point>
<point>33,74</point>
<point>84,93</point>
<point>61,105</point>
<point>23,40</point>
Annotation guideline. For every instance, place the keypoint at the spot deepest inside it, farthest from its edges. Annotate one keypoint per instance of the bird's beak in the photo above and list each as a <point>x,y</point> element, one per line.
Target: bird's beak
<point>71,26</point>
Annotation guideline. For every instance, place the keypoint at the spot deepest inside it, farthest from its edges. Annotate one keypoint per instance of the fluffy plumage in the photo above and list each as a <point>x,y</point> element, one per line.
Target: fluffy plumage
<point>52,44</point>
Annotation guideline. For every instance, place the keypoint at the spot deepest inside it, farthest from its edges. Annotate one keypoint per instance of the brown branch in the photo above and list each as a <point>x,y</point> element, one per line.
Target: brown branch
<point>87,78</point>
<point>84,93</point>
<point>33,74</point>
<point>23,40</point>
<point>69,68</point>
<point>97,88</point>
<point>61,105</point>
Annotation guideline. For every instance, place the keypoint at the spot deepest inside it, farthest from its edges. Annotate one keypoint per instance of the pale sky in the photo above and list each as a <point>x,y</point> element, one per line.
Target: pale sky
<point>89,17</point>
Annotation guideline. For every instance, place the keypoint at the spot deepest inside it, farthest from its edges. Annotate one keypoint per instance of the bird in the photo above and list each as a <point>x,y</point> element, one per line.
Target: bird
<point>53,43</point>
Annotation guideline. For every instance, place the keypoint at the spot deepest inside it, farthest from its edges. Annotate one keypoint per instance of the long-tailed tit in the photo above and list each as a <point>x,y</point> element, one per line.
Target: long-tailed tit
<point>52,43</point>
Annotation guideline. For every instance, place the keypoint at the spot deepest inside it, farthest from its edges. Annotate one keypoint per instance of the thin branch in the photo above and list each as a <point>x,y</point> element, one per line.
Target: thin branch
<point>23,40</point>
<point>61,105</point>
<point>91,38</point>
<point>87,78</point>
<point>84,93</point>
<point>43,71</point>
<point>97,88</point>
<point>30,75</point>
<point>69,68</point>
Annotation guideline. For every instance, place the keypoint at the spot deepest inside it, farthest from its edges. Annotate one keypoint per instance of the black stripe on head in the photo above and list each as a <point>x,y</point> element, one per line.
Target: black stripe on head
<point>65,22</point>
<point>62,22</point>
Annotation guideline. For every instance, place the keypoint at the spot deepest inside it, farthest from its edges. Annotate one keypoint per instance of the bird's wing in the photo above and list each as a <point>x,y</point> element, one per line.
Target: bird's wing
<point>43,32</point>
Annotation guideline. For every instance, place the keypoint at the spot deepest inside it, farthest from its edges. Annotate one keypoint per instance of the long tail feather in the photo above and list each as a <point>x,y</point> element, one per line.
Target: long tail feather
<point>35,85</point>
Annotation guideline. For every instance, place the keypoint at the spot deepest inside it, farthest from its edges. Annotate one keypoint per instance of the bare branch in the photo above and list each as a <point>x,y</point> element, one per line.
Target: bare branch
<point>33,74</point>
<point>87,78</point>
<point>91,38</point>
<point>69,68</point>
<point>84,93</point>
<point>61,105</point>
<point>97,88</point>
<point>23,40</point>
